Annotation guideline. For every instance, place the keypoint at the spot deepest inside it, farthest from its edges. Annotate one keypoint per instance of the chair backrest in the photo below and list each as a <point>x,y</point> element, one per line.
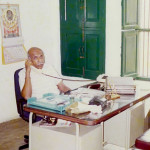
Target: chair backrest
<point>20,101</point>
<point>17,86</point>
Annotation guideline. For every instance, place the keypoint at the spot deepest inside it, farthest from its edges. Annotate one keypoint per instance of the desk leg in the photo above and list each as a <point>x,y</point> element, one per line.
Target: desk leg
<point>77,136</point>
<point>30,126</point>
<point>127,136</point>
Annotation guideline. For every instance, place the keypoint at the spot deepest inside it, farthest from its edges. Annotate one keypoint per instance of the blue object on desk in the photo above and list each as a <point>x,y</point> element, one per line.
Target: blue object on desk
<point>52,101</point>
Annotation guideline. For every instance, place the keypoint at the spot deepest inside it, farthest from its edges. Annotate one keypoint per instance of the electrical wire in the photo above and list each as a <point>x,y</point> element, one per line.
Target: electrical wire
<point>67,79</point>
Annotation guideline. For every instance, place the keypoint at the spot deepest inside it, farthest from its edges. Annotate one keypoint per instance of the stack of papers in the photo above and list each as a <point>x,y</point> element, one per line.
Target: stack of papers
<point>120,85</point>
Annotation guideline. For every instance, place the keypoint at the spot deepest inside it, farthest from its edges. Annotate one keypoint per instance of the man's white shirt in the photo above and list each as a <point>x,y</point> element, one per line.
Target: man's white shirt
<point>41,84</point>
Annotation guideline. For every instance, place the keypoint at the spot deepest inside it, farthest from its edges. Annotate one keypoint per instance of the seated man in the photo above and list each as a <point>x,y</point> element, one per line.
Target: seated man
<point>33,83</point>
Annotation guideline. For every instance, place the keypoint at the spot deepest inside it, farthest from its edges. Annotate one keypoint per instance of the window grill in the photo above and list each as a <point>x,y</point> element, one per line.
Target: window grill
<point>144,40</point>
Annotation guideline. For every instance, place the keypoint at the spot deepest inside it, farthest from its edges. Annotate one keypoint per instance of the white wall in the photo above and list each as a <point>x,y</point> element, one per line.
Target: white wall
<point>113,37</point>
<point>40,27</point>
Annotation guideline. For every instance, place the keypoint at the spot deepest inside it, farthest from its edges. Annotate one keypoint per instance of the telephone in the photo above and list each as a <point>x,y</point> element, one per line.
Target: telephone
<point>101,78</point>
<point>97,101</point>
<point>29,61</point>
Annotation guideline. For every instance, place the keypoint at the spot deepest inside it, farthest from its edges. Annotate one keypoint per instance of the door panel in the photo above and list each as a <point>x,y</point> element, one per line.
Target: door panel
<point>129,38</point>
<point>94,13</point>
<point>129,53</point>
<point>130,13</point>
<point>94,53</point>
<point>71,62</point>
<point>71,13</point>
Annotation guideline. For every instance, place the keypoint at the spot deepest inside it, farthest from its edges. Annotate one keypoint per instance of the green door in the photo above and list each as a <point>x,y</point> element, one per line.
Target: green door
<point>82,37</point>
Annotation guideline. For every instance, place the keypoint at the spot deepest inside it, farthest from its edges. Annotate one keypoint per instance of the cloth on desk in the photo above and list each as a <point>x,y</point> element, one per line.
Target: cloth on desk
<point>79,107</point>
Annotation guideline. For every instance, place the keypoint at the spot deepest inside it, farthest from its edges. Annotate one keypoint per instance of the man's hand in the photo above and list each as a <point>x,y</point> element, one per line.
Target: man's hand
<point>63,88</point>
<point>27,88</point>
<point>28,64</point>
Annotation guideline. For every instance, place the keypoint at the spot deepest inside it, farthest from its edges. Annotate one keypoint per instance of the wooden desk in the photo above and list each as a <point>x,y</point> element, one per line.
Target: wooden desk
<point>124,103</point>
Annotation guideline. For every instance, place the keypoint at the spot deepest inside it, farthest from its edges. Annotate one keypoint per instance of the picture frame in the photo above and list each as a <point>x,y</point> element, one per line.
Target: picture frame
<point>10,20</point>
<point>13,49</point>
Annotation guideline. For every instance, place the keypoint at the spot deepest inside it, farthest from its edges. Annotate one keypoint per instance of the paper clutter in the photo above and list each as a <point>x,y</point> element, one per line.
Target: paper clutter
<point>79,107</point>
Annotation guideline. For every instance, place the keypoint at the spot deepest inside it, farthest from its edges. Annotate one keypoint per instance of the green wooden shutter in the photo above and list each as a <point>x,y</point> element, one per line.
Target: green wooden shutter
<point>70,14</point>
<point>82,24</point>
<point>71,37</point>
<point>71,62</point>
<point>129,55</point>
<point>95,21</point>
<point>94,53</point>
<point>95,12</point>
<point>130,14</point>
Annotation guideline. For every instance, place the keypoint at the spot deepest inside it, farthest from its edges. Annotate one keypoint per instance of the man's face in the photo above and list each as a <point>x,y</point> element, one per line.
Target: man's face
<point>37,58</point>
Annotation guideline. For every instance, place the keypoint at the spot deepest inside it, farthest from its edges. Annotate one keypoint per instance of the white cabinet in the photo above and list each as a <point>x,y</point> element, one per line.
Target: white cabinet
<point>115,130</point>
<point>136,123</point>
<point>124,128</point>
<point>147,114</point>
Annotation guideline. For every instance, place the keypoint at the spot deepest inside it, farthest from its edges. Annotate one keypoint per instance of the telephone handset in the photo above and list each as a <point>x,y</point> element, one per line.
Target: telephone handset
<point>29,61</point>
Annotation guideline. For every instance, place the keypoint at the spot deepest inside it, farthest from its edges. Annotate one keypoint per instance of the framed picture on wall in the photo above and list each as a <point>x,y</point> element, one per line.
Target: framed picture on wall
<point>13,49</point>
<point>10,21</point>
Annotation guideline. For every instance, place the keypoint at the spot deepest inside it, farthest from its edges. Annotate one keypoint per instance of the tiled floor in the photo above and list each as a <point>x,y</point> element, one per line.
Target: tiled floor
<point>12,133</point>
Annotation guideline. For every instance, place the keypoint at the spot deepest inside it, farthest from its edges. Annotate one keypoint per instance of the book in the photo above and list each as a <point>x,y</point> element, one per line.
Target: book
<point>120,85</point>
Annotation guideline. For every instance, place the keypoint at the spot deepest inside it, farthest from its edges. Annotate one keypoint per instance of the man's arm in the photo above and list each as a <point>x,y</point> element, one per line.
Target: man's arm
<point>62,87</point>
<point>27,88</point>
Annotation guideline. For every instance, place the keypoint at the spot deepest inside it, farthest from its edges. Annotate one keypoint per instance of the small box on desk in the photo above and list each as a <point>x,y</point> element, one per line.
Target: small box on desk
<point>57,138</point>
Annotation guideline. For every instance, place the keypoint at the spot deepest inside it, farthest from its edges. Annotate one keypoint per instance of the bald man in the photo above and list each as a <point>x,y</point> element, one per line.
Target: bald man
<point>33,83</point>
